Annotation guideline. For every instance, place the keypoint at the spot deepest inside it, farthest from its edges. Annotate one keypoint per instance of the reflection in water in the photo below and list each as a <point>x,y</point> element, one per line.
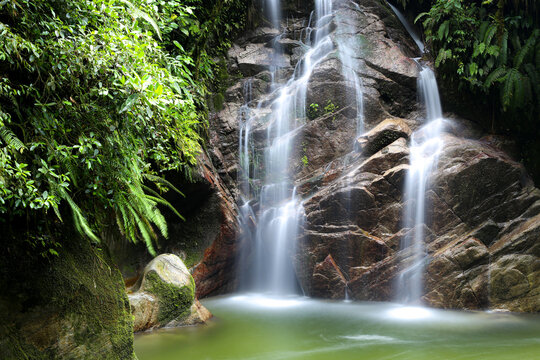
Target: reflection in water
<point>255,327</point>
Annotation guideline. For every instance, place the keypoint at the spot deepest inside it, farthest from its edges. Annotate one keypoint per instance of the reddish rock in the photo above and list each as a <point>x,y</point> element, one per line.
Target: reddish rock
<point>328,280</point>
<point>215,273</point>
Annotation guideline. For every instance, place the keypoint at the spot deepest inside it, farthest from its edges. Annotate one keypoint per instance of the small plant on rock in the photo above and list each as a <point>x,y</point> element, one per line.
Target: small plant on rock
<point>313,111</point>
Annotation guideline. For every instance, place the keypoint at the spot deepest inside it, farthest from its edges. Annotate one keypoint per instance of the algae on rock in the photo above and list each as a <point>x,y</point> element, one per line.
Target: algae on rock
<point>165,296</point>
<point>70,306</point>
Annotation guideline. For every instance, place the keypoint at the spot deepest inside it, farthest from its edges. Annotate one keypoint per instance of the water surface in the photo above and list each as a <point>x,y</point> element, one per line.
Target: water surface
<point>263,328</point>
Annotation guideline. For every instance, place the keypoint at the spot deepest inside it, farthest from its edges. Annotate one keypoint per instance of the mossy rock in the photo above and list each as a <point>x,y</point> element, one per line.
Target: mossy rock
<point>167,280</point>
<point>70,306</point>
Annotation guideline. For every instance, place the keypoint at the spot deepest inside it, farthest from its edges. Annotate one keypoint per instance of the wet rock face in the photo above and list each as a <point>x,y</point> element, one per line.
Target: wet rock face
<point>482,230</point>
<point>216,272</point>
<point>482,223</point>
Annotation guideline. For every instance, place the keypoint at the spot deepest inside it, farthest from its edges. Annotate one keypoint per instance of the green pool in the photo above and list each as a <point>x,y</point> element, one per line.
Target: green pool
<point>264,328</point>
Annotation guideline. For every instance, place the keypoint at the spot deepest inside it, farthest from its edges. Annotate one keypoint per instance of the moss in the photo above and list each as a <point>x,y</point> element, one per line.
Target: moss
<point>174,302</point>
<point>217,101</point>
<point>71,306</point>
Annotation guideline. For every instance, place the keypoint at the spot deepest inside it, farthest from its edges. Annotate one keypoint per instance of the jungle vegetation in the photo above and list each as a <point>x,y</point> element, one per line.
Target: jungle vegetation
<point>99,99</point>
<point>490,51</point>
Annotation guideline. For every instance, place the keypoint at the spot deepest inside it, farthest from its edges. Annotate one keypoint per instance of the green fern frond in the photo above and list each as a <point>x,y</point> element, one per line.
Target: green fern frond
<point>78,218</point>
<point>482,29</point>
<point>160,200</point>
<point>490,33</point>
<point>11,139</point>
<point>145,230</point>
<point>54,193</point>
<point>503,57</point>
<point>509,89</point>
<point>525,50</point>
<point>421,15</point>
<point>128,226</point>
<point>162,181</point>
<point>167,204</point>
<point>495,75</point>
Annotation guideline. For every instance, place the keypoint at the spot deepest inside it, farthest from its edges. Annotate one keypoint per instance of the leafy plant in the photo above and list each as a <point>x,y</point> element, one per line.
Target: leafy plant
<point>502,54</point>
<point>98,101</point>
<point>313,111</point>
<point>305,160</point>
<point>330,108</point>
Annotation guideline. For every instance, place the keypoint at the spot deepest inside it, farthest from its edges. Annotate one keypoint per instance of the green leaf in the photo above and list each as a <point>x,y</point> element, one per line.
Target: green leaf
<point>138,13</point>
<point>443,30</point>
<point>129,102</point>
<point>11,139</point>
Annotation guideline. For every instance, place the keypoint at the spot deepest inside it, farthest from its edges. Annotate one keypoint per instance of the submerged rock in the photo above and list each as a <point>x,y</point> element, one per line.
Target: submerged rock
<point>165,296</point>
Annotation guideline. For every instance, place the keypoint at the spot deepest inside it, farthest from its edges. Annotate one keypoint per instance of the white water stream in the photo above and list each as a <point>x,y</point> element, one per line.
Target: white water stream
<point>279,210</point>
<point>426,145</point>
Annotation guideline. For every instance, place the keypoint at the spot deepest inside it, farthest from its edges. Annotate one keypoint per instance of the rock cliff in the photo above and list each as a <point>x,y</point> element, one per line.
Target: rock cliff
<point>483,223</point>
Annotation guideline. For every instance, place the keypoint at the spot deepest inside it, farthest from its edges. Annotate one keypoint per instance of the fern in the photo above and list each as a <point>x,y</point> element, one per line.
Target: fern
<point>492,30</point>
<point>162,181</point>
<point>482,29</point>
<point>78,218</point>
<point>145,230</point>
<point>164,202</point>
<point>503,54</point>
<point>527,48</point>
<point>510,88</point>
<point>137,213</point>
<point>495,75</point>
<point>11,139</point>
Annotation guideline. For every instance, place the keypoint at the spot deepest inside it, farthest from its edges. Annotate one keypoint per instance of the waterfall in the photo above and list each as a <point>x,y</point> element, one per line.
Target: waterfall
<point>347,57</point>
<point>412,32</point>
<point>271,224</point>
<point>274,8</point>
<point>425,146</point>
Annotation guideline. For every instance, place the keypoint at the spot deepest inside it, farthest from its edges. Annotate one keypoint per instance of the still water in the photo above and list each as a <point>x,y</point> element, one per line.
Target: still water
<point>264,328</point>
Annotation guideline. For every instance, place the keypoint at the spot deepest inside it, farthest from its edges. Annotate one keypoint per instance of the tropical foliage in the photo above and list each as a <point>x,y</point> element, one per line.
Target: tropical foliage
<point>98,100</point>
<point>490,49</point>
<point>502,53</point>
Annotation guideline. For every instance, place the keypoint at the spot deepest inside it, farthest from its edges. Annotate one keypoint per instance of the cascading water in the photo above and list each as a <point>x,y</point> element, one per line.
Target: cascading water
<point>414,35</point>
<point>426,145</point>
<point>348,59</point>
<point>279,208</point>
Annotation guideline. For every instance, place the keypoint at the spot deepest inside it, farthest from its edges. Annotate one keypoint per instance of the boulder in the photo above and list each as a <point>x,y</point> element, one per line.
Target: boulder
<point>165,296</point>
<point>382,135</point>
